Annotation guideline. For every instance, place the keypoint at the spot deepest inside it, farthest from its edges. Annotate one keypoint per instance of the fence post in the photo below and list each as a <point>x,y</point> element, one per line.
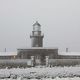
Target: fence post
<point>32,61</point>
<point>47,61</point>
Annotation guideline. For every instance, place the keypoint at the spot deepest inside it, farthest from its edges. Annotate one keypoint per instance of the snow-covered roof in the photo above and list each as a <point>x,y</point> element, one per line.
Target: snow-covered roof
<point>36,24</point>
<point>8,53</point>
<point>69,53</point>
<point>39,48</point>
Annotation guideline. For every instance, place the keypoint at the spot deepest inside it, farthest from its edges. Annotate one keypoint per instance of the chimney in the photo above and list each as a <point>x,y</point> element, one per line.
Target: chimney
<point>66,49</point>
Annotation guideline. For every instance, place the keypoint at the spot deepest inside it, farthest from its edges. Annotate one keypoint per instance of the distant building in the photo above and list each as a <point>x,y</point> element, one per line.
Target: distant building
<point>37,53</point>
<point>37,50</point>
<point>8,55</point>
<point>69,55</point>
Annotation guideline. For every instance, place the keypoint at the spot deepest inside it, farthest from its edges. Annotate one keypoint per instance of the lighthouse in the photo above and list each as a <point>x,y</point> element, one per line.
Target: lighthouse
<point>38,54</point>
<point>36,36</point>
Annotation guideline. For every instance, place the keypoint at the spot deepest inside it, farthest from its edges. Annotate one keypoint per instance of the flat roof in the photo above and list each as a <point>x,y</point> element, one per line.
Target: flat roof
<point>69,53</point>
<point>8,53</point>
<point>39,48</point>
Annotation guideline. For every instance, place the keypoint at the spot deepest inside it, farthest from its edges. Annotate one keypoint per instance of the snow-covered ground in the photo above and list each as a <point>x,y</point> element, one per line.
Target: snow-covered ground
<point>41,73</point>
<point>75,78</point>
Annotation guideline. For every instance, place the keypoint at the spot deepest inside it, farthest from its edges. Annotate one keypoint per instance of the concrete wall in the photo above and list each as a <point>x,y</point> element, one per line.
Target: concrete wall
<point>8,57</point>
<point>27,62</point>
<point>68,57</point>
<point>64,62</point>
<point>15,63</point>
<point>40,53</point>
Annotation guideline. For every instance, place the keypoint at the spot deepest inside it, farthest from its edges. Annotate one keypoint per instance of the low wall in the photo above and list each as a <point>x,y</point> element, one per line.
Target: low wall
<point>64,62</point>
<point>15,63</point>
<point>27,62</point>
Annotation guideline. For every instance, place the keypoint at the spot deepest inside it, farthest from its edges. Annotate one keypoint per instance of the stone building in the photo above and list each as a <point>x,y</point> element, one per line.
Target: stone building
<point>37,50</point>
<point>37,54</point>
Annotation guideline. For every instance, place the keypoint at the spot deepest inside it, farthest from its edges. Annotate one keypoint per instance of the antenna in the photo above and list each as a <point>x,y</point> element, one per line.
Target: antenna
<point>5,50</point>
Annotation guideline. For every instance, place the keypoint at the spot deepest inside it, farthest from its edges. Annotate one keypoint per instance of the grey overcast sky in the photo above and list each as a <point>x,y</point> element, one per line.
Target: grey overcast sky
<point>60,20</point>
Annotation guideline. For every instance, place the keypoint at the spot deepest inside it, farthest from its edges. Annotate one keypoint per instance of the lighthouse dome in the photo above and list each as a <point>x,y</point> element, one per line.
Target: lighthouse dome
<point>36,26</point>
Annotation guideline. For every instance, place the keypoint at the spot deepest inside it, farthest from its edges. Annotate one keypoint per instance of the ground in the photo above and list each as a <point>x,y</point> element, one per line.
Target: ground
<point>41,73</point>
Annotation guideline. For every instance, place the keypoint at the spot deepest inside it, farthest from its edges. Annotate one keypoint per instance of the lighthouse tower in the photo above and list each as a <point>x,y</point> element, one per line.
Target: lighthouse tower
<point>36,36</point>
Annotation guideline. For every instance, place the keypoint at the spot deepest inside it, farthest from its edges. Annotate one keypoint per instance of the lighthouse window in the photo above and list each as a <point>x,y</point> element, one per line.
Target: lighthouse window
<point>36,33</point>
<point>37,28</point>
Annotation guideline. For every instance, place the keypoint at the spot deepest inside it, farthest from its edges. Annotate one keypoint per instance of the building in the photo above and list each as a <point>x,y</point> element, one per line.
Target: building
<point>8,55</point>
<point>68,55</point>
<point>37,50</point>
<point>37,54</point>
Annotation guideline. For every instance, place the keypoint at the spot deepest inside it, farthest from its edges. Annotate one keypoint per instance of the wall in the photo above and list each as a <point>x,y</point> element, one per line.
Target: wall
<point>15,63</point>
<point>64,62</point>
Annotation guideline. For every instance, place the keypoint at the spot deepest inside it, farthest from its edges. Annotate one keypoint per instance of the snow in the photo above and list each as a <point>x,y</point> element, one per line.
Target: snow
<point>60,53</point>
<point>38,48</point>
<point>75,78</point>
<point>8,53</point>
<point>44,73</point>
<point>69,53</point>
